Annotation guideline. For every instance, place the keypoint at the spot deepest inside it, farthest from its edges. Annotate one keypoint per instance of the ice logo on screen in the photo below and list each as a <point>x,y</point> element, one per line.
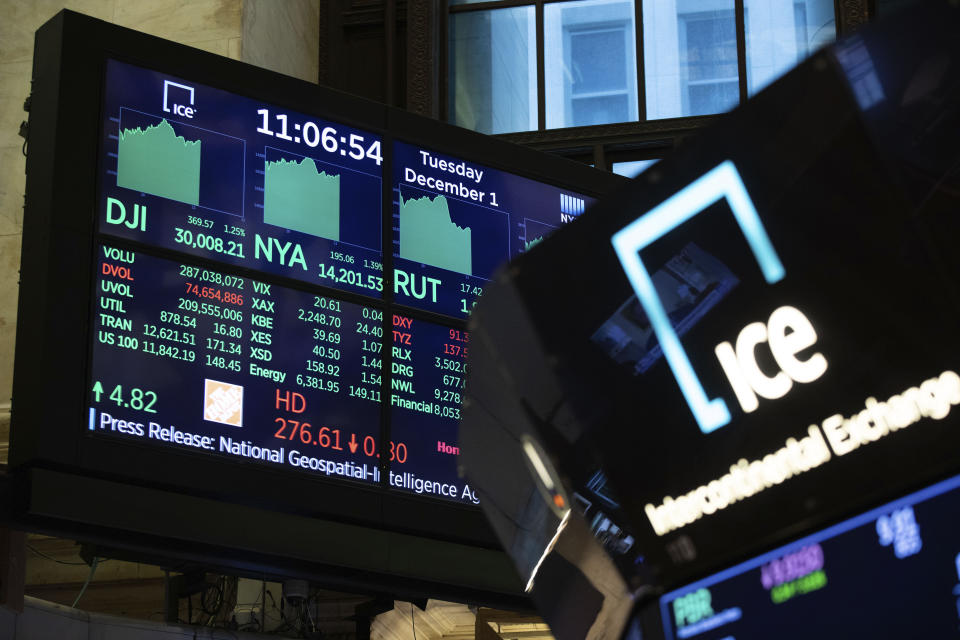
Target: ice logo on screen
<point>723,181</point>
<point>223,402</point>
<point>185,110</point>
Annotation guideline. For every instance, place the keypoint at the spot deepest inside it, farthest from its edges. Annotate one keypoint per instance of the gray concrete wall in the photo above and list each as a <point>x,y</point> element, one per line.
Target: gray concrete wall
<point>283,36</point>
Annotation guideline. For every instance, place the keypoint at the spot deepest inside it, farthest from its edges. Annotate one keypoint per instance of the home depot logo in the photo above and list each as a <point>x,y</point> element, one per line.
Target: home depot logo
<point>223,403</point>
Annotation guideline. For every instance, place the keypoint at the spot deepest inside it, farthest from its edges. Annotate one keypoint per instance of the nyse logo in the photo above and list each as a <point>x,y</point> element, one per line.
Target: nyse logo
<point>787,333</point>
<point>570,207</point>
<point>169,104</point>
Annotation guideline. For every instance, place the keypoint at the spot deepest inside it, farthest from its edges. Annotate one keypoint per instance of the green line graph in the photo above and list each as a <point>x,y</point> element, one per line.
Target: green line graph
<point>530,244</point>
<point>157,161</point>
<point>297,196</point>
<point>428,235</point>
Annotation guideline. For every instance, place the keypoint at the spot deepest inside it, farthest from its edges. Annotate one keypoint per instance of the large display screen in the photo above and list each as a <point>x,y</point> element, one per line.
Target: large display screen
<point>857,579</point>
<point>210,173</point>
<point>209,296</point>
<point>192,356</point>
<point>456,221</point>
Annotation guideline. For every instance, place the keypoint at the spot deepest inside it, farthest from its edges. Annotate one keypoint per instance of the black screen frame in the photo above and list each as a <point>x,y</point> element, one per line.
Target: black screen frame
<point>48,444</point>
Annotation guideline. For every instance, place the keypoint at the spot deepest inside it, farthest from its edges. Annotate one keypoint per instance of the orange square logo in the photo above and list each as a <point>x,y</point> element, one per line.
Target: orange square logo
<point>223,403</point>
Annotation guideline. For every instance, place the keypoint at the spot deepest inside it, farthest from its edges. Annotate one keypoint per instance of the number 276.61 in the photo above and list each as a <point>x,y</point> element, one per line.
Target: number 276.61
<point>324,437</point>
<point>330,438</point>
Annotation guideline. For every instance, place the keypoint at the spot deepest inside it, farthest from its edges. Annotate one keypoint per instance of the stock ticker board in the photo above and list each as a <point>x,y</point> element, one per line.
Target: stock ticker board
<point>214,174</point>
<point>429,370</point>
<point>198,359</point>
<point>205,360</point>
<point>845,581</point>
<point>456,221</point>
<point>190,357</point>
<point>210,173</point>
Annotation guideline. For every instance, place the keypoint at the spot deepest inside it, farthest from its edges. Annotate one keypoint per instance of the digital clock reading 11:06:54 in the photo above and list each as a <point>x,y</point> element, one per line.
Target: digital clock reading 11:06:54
<point>312,135</point>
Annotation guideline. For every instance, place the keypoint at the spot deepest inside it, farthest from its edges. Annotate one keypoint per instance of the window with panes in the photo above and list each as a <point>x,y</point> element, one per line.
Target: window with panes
<point>515,66</point>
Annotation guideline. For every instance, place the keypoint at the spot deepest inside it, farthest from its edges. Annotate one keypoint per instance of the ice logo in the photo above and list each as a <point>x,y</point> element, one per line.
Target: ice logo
<point>223,403</point>
<point>184,110</point>
<point>723,181</point>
